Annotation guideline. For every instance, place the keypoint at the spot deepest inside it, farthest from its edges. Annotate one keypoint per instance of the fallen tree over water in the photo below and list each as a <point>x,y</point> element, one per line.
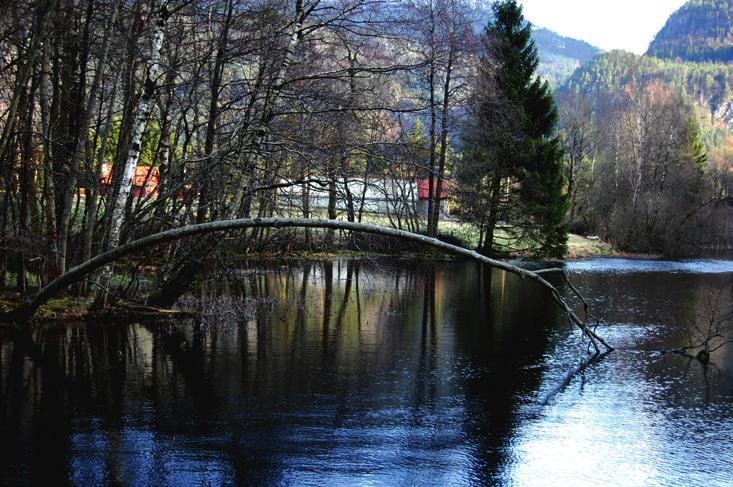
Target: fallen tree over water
<point>24,312</point>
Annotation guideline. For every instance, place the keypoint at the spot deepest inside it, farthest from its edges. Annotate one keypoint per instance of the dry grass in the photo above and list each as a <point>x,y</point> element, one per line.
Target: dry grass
<point>580,247</point>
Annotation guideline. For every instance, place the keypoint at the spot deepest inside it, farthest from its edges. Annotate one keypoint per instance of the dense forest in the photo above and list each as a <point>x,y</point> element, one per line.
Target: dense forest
<point>638,171</point>
<point>702,30</point>
<point>707,85</point>
<point>648,137</point>
<point>124,118</point>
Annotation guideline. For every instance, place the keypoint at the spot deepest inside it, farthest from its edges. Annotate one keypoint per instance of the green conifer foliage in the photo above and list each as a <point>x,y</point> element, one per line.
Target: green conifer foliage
<point>524,152</point>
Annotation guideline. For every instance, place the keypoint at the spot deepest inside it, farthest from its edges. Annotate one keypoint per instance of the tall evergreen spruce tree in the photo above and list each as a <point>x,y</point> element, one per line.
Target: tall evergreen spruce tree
<point>512,169</point>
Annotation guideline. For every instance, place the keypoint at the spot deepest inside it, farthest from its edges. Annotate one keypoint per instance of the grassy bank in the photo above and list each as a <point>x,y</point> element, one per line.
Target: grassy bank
<point>62,308</point>
<point>580,247</point>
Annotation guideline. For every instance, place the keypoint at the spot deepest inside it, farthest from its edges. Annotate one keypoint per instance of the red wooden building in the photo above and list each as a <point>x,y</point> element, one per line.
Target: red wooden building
<point>144,183</point>
<point>423,188</point>
<point>423,192</point>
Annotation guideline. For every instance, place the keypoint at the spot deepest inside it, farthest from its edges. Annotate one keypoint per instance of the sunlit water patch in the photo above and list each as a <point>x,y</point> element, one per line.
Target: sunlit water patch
<point>624,266</point>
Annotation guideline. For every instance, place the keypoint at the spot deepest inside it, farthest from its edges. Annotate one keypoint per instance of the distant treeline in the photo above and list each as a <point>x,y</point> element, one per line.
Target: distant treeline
<point>707,85</point>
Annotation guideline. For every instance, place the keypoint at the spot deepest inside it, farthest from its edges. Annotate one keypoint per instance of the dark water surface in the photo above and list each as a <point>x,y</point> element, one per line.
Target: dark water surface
<point>386,372</point>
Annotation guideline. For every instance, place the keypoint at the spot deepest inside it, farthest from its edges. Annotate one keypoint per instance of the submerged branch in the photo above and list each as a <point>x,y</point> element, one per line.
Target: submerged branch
<point>570,376</point>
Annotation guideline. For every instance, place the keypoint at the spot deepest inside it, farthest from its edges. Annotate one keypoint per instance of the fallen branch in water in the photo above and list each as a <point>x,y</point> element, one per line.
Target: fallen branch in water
<point>23,313</point>
<point>139,312</point>
<point>586,305</point>
<point>711,331</point>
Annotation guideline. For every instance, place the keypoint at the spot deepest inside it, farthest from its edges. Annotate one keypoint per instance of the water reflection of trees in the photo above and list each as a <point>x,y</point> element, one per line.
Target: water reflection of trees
<point>353,354</point>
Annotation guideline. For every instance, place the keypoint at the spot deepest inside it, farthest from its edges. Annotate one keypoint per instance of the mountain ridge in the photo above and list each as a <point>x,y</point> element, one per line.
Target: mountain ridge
<point>699,31</point>
<point>559,55</point>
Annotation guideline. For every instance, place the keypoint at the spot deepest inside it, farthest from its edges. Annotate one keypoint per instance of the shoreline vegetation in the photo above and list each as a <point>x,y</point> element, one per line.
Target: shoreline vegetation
<point>69,308</point>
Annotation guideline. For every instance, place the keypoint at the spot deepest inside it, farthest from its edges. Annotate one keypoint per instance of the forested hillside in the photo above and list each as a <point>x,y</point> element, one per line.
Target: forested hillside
<point>702,30</point>
<point>646,136</point>
<point>637,170</point>
<point>708,85</point>
<point>643,143</point>
<point>560,56</point>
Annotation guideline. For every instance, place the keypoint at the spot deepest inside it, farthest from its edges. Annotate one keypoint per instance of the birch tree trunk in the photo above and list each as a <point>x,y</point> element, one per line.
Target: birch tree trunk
<point>142,115</point>
<point>639,160</point>
<point>164,147</point>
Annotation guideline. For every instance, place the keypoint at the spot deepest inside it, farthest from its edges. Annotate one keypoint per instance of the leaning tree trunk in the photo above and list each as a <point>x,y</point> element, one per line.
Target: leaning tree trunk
<point>92,198</point>
<point>23,313</point>
<point>49,191</point>
<point>142,116</point>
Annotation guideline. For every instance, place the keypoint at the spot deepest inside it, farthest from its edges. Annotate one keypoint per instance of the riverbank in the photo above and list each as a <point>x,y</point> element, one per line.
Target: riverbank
<point>69,308</point>
<point>63,308</point>
<point>580,247</point>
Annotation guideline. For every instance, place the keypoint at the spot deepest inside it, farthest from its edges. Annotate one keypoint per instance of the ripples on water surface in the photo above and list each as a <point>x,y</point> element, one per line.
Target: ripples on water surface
<point>382,373</point>
<point>627,266</point>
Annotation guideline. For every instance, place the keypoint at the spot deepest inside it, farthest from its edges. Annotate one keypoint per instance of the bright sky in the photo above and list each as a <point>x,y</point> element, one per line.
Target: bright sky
<point>608,24</point>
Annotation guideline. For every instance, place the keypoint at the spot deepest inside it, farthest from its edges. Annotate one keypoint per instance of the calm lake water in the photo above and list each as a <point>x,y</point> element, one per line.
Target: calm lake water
<point>382,372</point>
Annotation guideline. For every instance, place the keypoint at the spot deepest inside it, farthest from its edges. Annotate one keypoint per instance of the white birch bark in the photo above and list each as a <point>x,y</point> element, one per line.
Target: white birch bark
<point>640,129</point>
<point>142,115</point>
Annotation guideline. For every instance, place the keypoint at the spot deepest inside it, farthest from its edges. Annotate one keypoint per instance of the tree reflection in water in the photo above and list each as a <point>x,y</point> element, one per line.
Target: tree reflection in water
<point>352,371</point>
